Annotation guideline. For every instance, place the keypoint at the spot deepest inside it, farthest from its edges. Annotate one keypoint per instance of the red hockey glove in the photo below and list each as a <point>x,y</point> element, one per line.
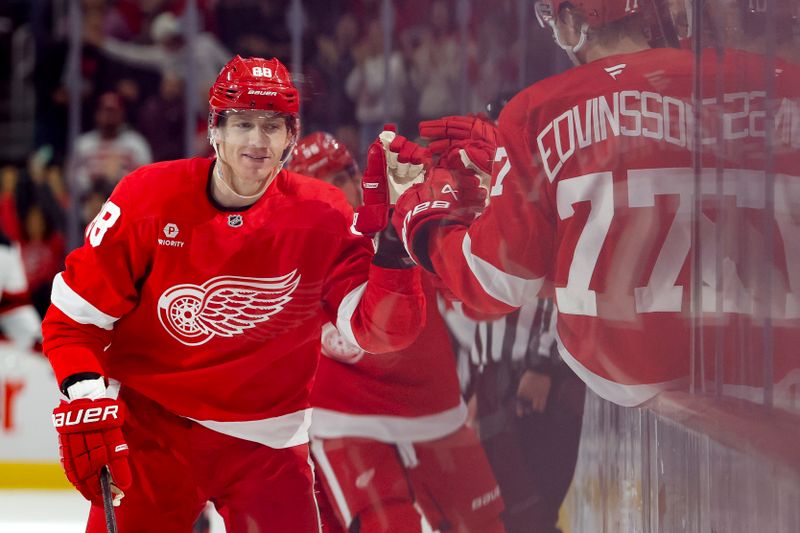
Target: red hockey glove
<point>470,158</point>
<point>90,437</point>
<point>444,198</point>
<point>372,216</point>
<point>393,164</point>
<point>447,130</point>
<point>406,163</point>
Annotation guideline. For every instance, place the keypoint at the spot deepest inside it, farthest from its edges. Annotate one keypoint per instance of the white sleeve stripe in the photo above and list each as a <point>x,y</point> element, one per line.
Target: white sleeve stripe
<point>76,307</point>
<point>501,286</point>
<point>344,315</point>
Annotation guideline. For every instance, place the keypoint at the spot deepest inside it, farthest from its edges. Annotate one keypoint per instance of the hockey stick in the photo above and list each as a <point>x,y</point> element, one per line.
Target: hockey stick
<point>108,500</point>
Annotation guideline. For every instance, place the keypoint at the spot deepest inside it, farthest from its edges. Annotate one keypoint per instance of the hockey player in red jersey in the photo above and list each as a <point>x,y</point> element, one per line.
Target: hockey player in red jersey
<point>591,199</point>
<point>201,290</point>
<point>322,156</point>
<point>388,434</point>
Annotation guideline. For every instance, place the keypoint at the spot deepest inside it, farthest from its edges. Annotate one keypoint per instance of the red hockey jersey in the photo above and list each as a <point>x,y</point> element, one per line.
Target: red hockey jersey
<point>216,314</point>
<point>592,199</point>
<point>409,395</point>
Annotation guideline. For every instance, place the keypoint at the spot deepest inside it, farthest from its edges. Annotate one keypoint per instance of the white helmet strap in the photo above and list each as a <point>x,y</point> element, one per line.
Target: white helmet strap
<point>570,50</point>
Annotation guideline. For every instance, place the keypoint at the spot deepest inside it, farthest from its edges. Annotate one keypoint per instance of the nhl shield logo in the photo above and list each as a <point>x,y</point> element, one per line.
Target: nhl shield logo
<point>235,221</point>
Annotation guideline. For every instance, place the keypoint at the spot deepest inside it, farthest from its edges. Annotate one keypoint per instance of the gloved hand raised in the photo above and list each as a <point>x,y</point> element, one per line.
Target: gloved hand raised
<point>444,132</point>
<point>446,197</point>
<point>393,164</point>
<point>470,158</point>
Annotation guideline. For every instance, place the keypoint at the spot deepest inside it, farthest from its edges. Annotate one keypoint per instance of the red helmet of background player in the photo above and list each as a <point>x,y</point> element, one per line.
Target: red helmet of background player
<point>320,155</point>
<point>254,83</point>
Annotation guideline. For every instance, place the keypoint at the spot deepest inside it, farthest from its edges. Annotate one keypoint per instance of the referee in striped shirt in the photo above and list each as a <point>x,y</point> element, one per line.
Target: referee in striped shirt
<point>527,406</point>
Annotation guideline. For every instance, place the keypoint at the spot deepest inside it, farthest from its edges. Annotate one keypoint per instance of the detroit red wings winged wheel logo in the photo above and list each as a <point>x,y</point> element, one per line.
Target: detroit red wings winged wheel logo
<point>336,347</point>
<point>223,306</point>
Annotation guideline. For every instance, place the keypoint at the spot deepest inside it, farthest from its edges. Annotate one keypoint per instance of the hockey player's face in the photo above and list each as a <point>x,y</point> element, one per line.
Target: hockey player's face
<point>350,185</point>
<point>252,142</point>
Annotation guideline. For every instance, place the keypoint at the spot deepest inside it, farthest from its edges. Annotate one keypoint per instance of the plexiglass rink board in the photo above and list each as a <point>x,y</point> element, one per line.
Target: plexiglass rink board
<point>684,464</point>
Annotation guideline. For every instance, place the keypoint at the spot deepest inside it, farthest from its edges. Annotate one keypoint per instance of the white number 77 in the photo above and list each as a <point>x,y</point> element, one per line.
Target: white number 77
<point>662,293</point>
<point>598,188</point>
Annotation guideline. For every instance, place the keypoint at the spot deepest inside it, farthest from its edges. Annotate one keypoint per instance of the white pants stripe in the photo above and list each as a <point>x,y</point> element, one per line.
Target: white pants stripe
<point>318,449</point>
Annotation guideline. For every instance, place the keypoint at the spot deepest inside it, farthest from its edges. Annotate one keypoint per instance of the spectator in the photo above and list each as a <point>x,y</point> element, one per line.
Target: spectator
<point>54,177</point>
<point>129,19</point>
<point>436,64</point>
<point>41,200</point>
<point>255,27</point>
<point>415,14</point>
<point>110,151</point>
<point>365,85</point>
<point>493,70</point>
<point>99,73</point>
<point>332,64</point>
<point>42,248</point>
<point>9,221</point>
<point>161,119</point>
<point>170,53</point>
<point>44,186</point>
<point>18,192</point>
<point>92,202</point>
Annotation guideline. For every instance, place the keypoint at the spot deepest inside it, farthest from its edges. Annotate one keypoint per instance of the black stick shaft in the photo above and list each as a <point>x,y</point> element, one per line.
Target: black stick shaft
<point>108,500</point>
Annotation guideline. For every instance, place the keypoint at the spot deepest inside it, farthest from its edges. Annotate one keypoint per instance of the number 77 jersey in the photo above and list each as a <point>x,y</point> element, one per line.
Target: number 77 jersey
<point>592,200</point>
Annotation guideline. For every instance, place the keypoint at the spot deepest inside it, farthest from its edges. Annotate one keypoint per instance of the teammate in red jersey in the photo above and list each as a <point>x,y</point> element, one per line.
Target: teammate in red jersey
<point>591,195</point>
<point>322,156</point>
<point>388,433</point>
<point>201,289</point>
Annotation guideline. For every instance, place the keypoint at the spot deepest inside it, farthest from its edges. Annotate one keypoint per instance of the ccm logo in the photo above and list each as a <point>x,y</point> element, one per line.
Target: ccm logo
<point>86,416</point>
<point>424,206</point>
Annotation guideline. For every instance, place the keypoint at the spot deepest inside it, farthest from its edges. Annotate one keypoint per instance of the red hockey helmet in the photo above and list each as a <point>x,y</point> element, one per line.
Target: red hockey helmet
<point>598,13</point>
<point>320,155</point>
<point>254,83</point>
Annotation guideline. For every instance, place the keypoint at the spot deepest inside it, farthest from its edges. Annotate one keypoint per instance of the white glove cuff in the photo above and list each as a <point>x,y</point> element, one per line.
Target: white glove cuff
<point>93,389</point>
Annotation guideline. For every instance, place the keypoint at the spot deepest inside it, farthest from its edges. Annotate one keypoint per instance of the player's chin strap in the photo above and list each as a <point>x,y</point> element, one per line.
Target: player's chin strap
<point>572,51</point>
